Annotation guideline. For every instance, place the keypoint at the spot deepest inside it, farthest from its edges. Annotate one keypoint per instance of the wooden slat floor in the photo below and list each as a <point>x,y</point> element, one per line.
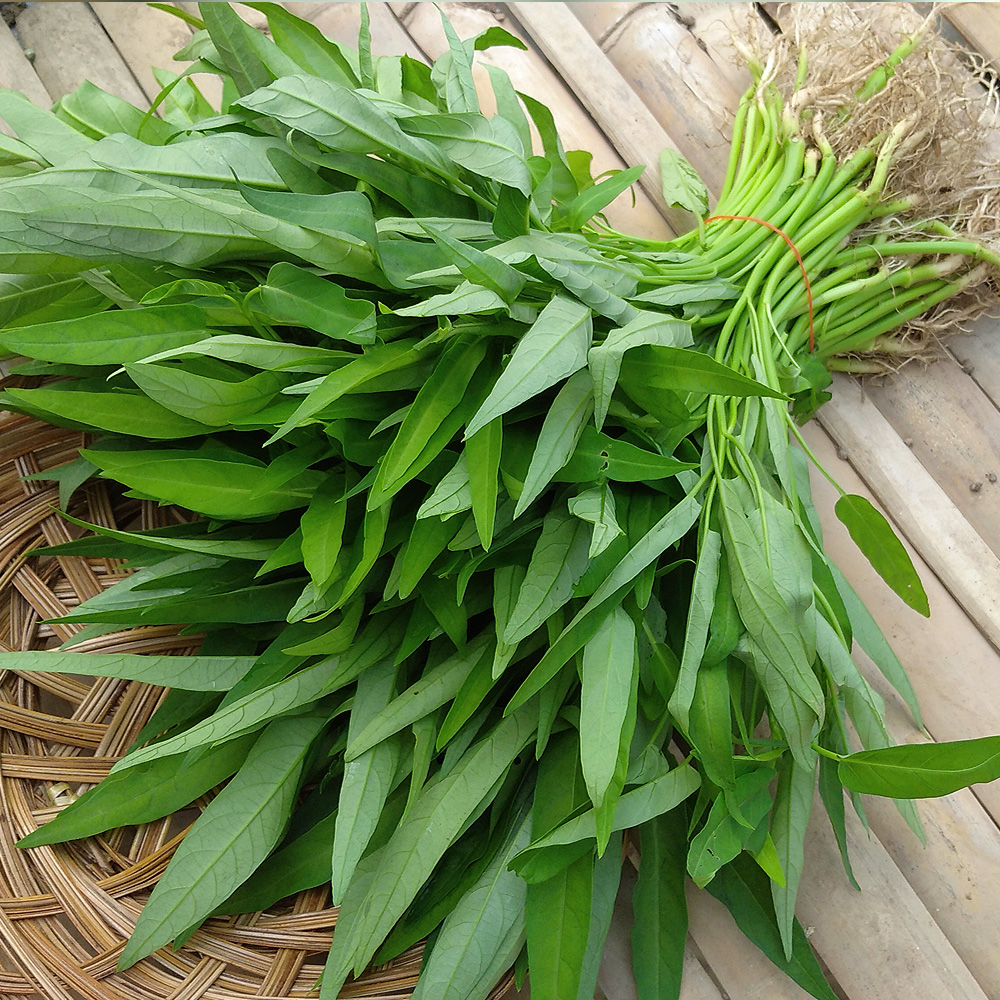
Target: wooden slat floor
<point>624,80</point>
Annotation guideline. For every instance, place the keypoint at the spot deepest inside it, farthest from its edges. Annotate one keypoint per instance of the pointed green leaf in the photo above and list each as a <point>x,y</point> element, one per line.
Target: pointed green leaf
<point>660,929</point>
<point>192,673</point>
<point>143,794</point>
<point>230,839</point>
<point>609,662</point>
<point>558,437</point>
<point>922,770</point>
<point>605,360</point>
<point>682,185</point>
<point>876,539</point>
<point>551,350</point>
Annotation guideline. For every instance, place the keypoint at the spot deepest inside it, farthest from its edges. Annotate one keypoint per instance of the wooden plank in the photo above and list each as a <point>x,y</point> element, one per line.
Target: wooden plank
<point>600,19</point>
<point>954,430</point>
<point>918,504</point>
<point>675,80</point>
<point>71,46</point>
<point>16,71</point>
<point>977,353</point>
<point>604,92</point>
<point>532,75</point>
<point>979,25</point>
<point>957,875</point>
<point>881,943</point>
<point>144,37</point>
<point>952,666</point>
<point>714,27</point>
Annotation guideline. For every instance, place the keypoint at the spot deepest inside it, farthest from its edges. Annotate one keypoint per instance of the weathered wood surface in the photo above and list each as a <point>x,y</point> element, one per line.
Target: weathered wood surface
<point>625,80</point>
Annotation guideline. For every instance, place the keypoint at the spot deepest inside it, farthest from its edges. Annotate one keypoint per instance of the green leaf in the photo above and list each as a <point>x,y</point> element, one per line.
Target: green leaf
<point>301,864</point>
<point>609,664</point>
<point>436,687</point>
<point>452,495</point>
<point>486,147</point>
<point>379,360</point>
<point>922,770</point>
<point>832,793</point>
<point>96,112</point>
<point>420,196</point>
<point>792,805</point>
<point>109,338</point>
<point>26,299</point>
<point>193,673</point>
<point>478,928</point>
<point>705,290</point>
<point>594,286</point>
<point>471,698</point>
<point>508,106</point>
<point>477,266</point>
<point>671,527</point>
<point>466,299</point>
<point>322,527</point>
<point>557,562</point>
<point>217,482</point>
<point>607,879</point>
<point>54,140</point>
<point>557,910</point>
<point>482,452</point>
<point>341,118</point>
<point>778,653</point>
<point>637,806</point>
<point>294,296</point>
<point>557,440</point>
<point>118,412</point>
<point>682,185</point>
<point>688,370</point>
<point>167,540</point>
<point>230,839</point>
<point>597,507</point>
<point>599,456</point>
<point>745,890</point>
<point>711,730</point>
<point>876,539</point>
<point>595,199</point>
<point>605,360</point>
<point>551,350</point>
<point>700,610</point>
<point>251,59</point>
<point>870,638</point>
<point>143,794</point>
<point>445,807</point>
<point>347,214</point>
<point>557,919</point>
<point>661,919</point>
<point>217,398</point>
<point>452,73</point>
<point>564,186</point>
<point>436,415</point>
<point>205,161</point>
<point>250,712</point>
<point>367,779</point>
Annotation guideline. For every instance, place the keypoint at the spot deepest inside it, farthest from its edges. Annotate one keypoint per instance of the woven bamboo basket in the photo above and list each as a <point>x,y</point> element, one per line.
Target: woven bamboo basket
<point>66,911</point>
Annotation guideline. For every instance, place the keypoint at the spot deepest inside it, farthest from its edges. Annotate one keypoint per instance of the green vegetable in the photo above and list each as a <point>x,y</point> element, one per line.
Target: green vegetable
<point>507,497</point>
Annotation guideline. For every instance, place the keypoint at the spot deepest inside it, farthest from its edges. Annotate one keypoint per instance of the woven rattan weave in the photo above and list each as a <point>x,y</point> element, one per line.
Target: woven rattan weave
<point>66,911</point>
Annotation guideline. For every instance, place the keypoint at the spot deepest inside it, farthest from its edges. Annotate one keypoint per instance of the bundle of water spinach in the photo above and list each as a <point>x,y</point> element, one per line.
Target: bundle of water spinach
<point>504,553</point>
